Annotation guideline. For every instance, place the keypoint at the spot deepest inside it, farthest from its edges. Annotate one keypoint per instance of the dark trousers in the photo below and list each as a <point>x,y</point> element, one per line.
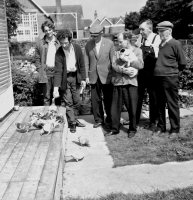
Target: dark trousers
<point>129,95</point>
<point>167,93</point>
<point>44,93</point>
<point>146,84</point>
<point>71,97</point>
<point>101,93</point>
<point>48,91</point>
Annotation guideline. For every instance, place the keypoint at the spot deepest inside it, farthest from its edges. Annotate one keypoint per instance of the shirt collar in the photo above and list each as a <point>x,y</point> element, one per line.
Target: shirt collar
<point>169,38</point>
<point>71,48</point>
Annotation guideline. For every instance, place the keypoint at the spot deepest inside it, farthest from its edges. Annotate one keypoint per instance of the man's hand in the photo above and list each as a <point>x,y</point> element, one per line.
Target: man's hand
<point>130,71</point>
<point>87,81</point>
<point>56,93</point>
<point>83,84</point>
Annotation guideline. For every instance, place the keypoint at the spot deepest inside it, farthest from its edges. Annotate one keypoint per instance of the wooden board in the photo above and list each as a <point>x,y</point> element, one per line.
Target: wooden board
<point>31,165</point>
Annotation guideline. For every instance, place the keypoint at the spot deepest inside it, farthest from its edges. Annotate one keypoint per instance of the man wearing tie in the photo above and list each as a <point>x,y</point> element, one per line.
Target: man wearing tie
<point>99,54</point>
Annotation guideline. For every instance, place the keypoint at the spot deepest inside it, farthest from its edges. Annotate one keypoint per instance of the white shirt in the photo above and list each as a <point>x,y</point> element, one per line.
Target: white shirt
<point>156,43</point>
<point>98,45</point>
<point>50,59</point>
<point>70,59</point>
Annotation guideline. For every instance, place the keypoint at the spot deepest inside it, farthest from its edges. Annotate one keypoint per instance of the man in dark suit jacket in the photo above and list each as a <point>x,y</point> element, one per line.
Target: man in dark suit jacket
<point>99,54</point>
<point>69,73</point>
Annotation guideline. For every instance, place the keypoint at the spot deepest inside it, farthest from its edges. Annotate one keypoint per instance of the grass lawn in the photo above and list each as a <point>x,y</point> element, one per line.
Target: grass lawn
<point>177,194</point>
<point>147,147</point>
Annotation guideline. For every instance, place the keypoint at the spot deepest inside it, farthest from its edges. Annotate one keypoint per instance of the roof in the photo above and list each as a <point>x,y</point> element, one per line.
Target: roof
<point>69,19</point>
<point>116,20</point>
<point>111,21</point>
<point>87,22</point>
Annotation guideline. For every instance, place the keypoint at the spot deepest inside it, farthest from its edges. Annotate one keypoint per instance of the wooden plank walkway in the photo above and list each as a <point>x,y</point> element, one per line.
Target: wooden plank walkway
<point>31,165</point>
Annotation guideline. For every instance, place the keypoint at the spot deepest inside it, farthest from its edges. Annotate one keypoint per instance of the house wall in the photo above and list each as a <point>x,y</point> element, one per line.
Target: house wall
<point>6,91</point>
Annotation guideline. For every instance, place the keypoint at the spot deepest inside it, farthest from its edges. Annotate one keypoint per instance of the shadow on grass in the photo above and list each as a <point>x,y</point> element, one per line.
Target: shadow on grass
<point>148,147</point>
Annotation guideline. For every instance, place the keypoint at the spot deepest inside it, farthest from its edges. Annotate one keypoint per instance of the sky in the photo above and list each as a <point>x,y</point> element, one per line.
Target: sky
<point>104,8</point>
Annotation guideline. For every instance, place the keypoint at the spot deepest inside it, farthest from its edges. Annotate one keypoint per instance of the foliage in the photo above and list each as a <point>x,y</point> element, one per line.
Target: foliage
<point>147,12</point>
<point>179,12</point>
<point>13,12</point>
<point>23,85</point>
<point>132,20</point>
<point>22,50</point>
<point>186,77</point>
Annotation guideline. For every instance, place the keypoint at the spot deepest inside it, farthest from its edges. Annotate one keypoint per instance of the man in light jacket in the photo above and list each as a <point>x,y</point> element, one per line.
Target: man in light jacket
<point>99,53</point>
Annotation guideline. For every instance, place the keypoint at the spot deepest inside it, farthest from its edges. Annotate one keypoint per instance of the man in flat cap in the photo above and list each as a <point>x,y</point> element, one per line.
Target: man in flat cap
<point>99,54</point>
<point>170,61</point>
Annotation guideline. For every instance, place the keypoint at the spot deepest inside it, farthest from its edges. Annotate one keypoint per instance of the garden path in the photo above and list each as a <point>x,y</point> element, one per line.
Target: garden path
<point>94,175</point>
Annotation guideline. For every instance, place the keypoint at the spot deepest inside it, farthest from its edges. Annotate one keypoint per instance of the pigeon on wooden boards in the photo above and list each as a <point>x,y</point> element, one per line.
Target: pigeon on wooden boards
<point>23,126</point>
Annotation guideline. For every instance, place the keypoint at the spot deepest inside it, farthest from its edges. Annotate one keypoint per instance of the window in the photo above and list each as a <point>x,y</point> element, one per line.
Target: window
<point>28,28</point>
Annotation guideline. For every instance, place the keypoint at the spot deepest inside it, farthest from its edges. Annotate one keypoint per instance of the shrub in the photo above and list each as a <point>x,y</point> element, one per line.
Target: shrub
<point>23,85</point>
<point>22,51</point>
<point>186,76</point>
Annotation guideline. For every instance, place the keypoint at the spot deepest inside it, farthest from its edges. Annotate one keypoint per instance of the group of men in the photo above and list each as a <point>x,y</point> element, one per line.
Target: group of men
<point>63,69</point>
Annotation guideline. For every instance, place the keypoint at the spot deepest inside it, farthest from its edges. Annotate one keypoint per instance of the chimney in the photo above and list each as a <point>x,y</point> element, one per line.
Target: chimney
<point>58,16</point>
<point>95,14</point>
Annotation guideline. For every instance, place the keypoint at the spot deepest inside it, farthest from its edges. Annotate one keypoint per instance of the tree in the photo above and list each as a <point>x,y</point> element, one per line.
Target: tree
<point>148,11</point>
<point>179,12</point>
<point>132,20</point>
<point>13,12</point>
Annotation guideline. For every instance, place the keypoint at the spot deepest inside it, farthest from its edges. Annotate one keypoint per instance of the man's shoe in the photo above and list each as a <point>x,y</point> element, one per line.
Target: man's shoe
<point>131,134</point>
<point>173,134</point>
<point>159,131</point>
<point>79,124</point>
<point>96,125</point>
<point>112,133</point>
<point>152,127</point>
<point>73,127</point>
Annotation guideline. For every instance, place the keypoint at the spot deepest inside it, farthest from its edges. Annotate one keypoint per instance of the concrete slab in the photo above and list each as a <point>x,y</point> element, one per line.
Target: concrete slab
<point>136,179</point>
<point>94,176</point>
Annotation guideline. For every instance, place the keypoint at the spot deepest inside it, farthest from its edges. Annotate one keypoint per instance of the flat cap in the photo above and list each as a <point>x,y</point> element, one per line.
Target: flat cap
<point>96,29</point>
<point>164,25</point>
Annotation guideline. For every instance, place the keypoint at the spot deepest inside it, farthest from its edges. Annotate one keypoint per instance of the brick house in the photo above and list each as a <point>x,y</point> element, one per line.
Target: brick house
<point>30,27</point>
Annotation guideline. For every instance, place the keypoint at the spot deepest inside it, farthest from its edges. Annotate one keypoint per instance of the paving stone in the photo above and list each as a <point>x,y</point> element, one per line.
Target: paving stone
<point>94,176</point>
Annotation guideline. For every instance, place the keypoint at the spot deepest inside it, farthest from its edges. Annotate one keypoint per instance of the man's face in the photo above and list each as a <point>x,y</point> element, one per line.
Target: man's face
<point>122,42</point>
<point>96,37</point>
<point>48,31</point>
<point>144,30</point>
<point>164,34</point>
<point>65,43</point>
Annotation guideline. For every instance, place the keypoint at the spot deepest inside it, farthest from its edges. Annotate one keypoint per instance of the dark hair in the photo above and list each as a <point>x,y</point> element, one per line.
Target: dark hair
<point>127,35</point>
<point>48,24</point>
<point>65,33</point>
